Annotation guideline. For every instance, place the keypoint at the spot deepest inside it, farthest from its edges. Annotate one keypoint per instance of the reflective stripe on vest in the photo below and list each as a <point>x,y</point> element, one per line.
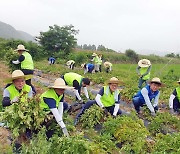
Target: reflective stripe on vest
<point>14,92</point>
<point>70,77</point>
<point>27,63</point>
<point>143,70</point>
<point>178,93</point>
<point>50,94</point>
<point>109,99</point>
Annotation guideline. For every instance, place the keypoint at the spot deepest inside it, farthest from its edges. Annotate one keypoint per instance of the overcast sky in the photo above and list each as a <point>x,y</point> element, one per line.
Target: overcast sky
<point>151,26</point>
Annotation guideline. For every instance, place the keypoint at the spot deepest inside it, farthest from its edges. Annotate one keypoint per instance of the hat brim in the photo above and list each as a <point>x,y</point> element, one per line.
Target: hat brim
<point>21,50</point>
<point>26,77</point>
<point>144,65</point>
<point>61,87</point>
<point>178,81</point>
<point>160,83</point>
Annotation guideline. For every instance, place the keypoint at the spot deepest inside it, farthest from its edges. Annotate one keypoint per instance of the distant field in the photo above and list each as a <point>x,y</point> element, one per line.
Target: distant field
<point>168,73</point>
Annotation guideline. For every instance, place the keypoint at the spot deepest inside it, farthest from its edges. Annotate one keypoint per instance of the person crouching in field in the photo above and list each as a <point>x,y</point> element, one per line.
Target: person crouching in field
<point>95,60</point>
<point>108,66</point>
<point>27,65</point>
<point>143,70</point>
<point>70,64</point>
<point>52,101</point>
<point>108,99</point>
<point>174,100</point>
<point>146,95</point>
<point>88,67</point>
<point>16,88</point>
<point>78,82</point>
<point>51,60</point>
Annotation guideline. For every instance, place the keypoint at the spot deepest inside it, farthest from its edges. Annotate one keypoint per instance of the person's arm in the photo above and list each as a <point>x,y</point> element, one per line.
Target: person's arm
<point>138,70</point>
<point>98,98</point>
<point>30,94</point>
<point>21,58</point>
<point>77,88</point>
<point>144,92</point>
<point>173,95</point>
<point>52,106</point>
<point>6,98</point>
<point>116,108</point>
<point>110,68</point>
<point>156,100</point>
<point>86,92</point>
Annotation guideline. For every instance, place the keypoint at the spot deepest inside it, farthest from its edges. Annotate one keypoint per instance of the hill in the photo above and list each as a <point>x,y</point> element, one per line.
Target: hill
<point>9,32</point>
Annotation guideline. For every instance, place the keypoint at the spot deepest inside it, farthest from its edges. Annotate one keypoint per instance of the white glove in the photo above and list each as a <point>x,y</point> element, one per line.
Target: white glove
<point>153,114</point>
<point>65,132</point>
<point>15,99</point>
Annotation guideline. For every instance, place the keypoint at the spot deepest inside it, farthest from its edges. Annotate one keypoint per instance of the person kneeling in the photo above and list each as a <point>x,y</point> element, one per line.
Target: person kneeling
<point>108,99</point>
<point>146,95</point>
<point>174,100</point>
<point>53,101</point>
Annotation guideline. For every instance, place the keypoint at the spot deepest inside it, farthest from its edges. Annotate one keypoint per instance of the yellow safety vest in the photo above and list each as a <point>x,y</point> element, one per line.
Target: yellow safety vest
<point>70,77</point>
<point>27,63</point>
<point>109,99</point>
<point>143,70</point>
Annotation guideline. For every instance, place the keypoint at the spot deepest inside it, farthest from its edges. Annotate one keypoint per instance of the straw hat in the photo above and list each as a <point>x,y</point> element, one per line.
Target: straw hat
<point>82,65</point>
<point>156,80</point>
<point>144,63</point>
<point>113,80</point>
<point>21,47</point>
<point>107,64</point>
<point>178,81</point>
<point>94,54</point>
<point>18,74</point>
<point>60,84</point>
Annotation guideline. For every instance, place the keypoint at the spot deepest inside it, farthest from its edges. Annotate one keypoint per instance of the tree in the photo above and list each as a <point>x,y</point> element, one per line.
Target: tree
<point>58,39</point>
<point>132,54</point>
<point>170,55</point>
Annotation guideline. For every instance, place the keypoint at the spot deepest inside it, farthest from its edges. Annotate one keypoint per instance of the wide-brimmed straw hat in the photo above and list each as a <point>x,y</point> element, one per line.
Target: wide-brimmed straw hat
<point>144,63</point>
<point>21,47</point>
<point>94,54</point>
<point>17,74</point>
<point>178,81</point>
<point>156,80</point>
<point>60,84</point>
<point>113,80</point>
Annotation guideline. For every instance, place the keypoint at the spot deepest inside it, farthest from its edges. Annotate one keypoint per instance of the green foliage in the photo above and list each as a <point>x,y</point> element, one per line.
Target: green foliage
<point>22,115</point>
<point>164,123</point>
<point>9,57</point>
<point>38,144</point>
<point>92,116</point>
<point>75,144</point>
<point>128,131</point>
<point>169,143</point>
<point>79,58</point>
<point>132,55</point>
<point>58,39</point>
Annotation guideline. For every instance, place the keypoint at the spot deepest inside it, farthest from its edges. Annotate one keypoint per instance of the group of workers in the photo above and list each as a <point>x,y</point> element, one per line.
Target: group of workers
<point>94,66</point>
<point>108,97</point>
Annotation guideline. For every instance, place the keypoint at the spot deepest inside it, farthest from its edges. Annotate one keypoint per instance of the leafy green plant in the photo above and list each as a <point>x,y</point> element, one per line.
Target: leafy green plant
<point>129,131</point>
<point>91,117</point>
<point>167,143</point>
<point>164,123</point>
<point>22,115</point>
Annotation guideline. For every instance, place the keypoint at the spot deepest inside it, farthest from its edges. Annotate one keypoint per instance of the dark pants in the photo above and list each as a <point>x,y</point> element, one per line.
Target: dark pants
<point>137,104</point>
<point>100,68</point>
<point>141,81</point>
<point>50,132</point>
<point>88,104</point>
<point>176,104</point>
<point>28,82</point>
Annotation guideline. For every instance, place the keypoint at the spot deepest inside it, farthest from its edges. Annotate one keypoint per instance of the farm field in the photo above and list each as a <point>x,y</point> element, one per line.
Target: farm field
<point>98,133</point>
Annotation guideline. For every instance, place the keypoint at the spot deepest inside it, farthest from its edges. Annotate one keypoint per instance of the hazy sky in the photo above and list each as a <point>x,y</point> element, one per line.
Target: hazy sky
<point>141,25</point>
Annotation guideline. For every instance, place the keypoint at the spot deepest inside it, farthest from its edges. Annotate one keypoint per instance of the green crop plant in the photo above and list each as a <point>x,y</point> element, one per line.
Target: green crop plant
<point>92,116</point>
<point>169,143</point>
<point>129,131</point>
<point>164,123</point>
<point>23,115</point>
